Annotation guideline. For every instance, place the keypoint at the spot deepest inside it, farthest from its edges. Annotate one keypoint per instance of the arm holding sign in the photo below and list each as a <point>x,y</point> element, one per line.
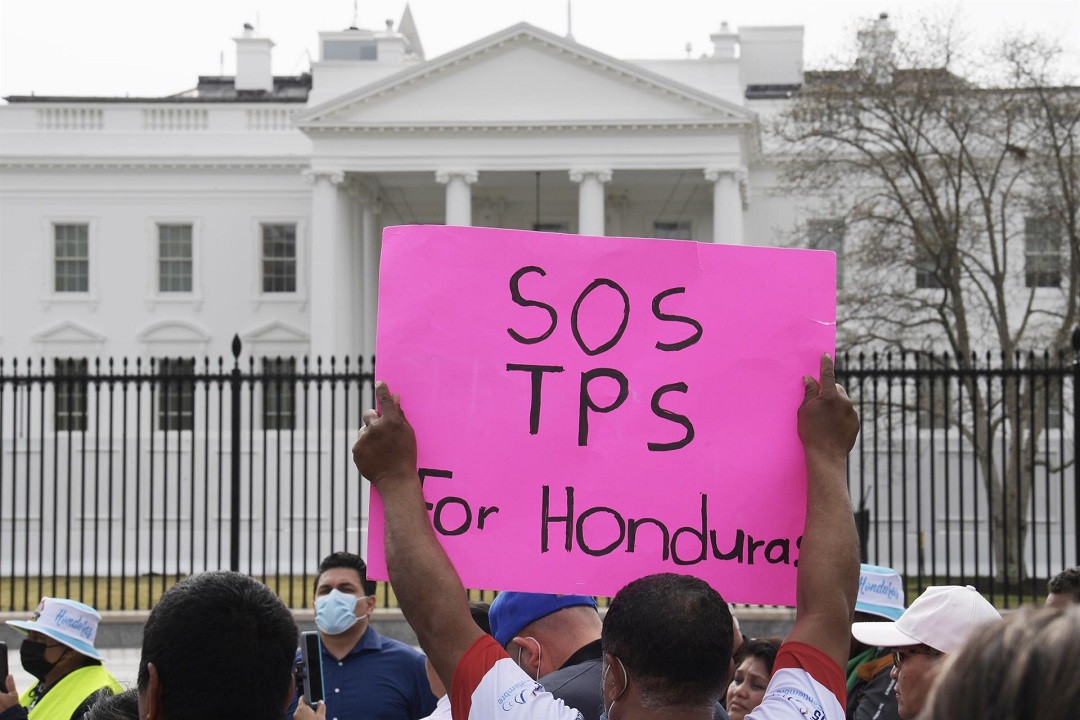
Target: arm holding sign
<point>828,581</point>
<point>428,588</point>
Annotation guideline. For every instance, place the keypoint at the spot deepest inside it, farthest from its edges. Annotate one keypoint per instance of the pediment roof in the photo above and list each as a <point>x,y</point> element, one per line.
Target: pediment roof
<point>276,332</point>
<point>562,83</point>
<point>69,331</point>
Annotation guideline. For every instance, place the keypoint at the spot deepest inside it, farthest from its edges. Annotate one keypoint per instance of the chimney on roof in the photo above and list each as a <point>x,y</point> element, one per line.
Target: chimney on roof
<point>724,43</point>
<point>253,70</point>
<point>876,50</point>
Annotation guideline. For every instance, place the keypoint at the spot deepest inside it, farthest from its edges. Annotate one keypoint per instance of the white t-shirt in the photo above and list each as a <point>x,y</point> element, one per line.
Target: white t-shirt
<point>805,685</point>
<point>488,685</point>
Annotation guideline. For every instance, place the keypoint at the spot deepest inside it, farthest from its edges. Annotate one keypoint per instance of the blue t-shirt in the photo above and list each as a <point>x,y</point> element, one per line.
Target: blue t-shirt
<point>380,679</point>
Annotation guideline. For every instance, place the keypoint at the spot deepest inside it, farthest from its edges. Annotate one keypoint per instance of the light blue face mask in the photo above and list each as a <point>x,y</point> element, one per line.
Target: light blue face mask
<point>335,612</point>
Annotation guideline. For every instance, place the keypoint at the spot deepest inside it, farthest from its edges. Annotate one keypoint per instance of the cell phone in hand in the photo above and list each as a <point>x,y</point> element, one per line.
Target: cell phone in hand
<point>311,667</point>
<point>3,666</point>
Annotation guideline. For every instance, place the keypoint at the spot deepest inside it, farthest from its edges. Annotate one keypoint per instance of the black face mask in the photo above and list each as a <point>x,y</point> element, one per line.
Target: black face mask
<point>32,655</point>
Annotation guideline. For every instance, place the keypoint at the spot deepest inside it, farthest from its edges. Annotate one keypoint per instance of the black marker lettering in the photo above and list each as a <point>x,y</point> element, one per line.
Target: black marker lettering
<point>515,294</point>
<point>537,381</point>
<point>698,535</point>
<point>672,347</point>
<point>631,534</point>
<point>586,402</point>
<point>673,417</point>
<point>622,326</point>
<point>581,531</point>
<point>546,519</point>
<point>425,473</point>
<point>466,523</point>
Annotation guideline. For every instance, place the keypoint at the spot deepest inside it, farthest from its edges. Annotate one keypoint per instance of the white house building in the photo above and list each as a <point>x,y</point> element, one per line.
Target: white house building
<point>153,228</point>
<point>254,204</point>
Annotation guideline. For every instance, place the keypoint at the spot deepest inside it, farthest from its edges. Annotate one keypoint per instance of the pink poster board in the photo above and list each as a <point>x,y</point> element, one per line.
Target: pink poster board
<point>591,410</point>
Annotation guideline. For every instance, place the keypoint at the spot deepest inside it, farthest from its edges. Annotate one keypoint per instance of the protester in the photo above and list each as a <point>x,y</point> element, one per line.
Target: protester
<point>124,706</point>
<point>1064,589</point>
<point>661,654</point>
<point>754,666</point>
<point>364,674</point>
<point>217,646</point>
<point>870,684</point>
<point>59,651</point>
<point>480,615</point>
<point>937,623</point>
<point>1022,668</point>
<point>555,639</point>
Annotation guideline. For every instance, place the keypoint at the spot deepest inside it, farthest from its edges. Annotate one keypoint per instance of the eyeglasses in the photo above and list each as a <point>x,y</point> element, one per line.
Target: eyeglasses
<point>899,656</point>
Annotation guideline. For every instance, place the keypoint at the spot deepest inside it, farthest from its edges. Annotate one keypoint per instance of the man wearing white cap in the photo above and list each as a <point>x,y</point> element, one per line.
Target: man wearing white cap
<point>936,624</point>
<point>870,687</point>
<point>59,651</point>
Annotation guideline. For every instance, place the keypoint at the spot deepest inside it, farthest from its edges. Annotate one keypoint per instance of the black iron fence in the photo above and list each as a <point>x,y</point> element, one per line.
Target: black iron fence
<point>117,478</point>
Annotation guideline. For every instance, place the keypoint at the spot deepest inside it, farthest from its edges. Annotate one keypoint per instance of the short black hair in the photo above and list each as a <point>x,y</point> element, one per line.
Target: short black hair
<point>345,560</point>
<point>1066,582</point>
<point>480,612</point>
<point>673,633</point>
<point>124,706</point>
<point>763,649</point>
<point>223,645</point>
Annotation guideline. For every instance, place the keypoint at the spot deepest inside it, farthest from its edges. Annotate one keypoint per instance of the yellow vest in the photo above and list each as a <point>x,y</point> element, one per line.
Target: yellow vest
<point>62,700</point>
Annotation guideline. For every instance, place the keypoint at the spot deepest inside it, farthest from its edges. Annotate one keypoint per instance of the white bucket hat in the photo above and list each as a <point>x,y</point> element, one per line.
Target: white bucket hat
<point>68,622</point>
<point>941,618</point>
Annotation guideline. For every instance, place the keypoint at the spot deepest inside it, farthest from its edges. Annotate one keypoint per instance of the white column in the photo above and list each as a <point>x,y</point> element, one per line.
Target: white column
<point>372,249</point>
<point>730,199</point>
<point>326,213</point>
<point>590,199</point>
<point>458,195</point>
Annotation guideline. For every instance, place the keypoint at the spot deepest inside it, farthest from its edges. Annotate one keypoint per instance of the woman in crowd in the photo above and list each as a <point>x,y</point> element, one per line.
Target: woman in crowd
<point>753,668</point>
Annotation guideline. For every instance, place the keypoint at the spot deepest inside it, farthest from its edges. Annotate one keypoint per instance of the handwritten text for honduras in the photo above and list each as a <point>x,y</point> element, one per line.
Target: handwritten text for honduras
<point>599,530</point>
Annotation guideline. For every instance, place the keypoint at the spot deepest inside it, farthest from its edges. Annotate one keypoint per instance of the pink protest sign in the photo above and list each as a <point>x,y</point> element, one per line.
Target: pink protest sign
<point>591,410</point>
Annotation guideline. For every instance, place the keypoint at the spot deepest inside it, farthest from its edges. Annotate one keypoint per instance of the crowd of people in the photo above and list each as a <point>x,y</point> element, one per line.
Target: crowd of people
<point>220,645</point>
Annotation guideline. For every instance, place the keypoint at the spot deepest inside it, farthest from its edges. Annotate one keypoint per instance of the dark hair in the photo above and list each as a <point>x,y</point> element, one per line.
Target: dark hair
<point>124,706</point>
<point>1066,582</point>
<point>1016,668</point>
<point>345,560</point>
<point>480,612</point>
<point>673,634</point>
<point>223,646</point>
<point>763,649</point>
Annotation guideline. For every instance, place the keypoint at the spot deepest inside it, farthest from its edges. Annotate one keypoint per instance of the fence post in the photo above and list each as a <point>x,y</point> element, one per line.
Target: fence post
<point>234,459</point>
<point>1076,444</point>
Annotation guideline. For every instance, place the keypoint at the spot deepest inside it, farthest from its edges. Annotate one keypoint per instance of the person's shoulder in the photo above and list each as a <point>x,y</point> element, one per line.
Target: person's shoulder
<point>574,675</point>
<point>396,646</point>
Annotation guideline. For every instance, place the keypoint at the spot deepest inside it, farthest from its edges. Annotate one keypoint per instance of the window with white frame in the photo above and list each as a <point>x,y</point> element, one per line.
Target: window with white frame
<point>828,234</point>
<point>176,394</point>
<point>278,257</point>
<point>279,393</point>
<point>672,229</point>
<point>175,265</point>
<point>71,258</point>
<point>551,227</point>
<point>1042,252</point>
<point>69,406</point>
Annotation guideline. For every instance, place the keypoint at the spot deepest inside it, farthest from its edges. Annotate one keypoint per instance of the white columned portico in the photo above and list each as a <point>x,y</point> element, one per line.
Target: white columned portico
<point>327,314</point>
<point>590,199</point>
<point>458,194</point>
<point>730,199</point>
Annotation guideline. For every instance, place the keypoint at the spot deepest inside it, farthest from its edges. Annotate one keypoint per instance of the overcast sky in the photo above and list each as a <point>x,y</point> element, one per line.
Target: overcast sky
<point>159,47</point>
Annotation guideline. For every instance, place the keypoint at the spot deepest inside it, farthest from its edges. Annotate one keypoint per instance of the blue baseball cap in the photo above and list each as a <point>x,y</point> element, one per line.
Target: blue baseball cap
<point>511,612</point>
<point>881,592</point>
<point>68,622</point>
